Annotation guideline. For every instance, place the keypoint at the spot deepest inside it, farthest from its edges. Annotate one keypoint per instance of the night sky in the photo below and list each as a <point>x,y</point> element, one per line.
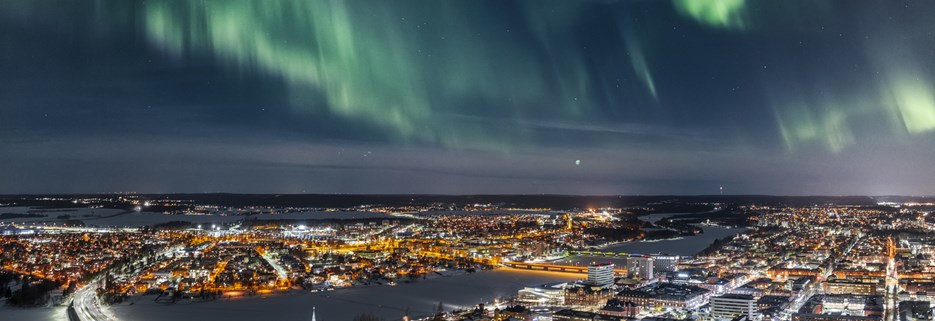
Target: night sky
<point>481,97</point>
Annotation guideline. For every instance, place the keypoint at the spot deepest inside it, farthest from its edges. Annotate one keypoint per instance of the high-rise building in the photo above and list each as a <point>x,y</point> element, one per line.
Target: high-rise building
<point>665,263</point>
<point>729,306</point>
<point>601,274</point>
<point>640,267</point>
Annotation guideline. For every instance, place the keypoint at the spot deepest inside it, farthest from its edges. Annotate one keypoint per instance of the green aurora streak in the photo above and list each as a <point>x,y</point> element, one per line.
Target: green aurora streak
<point>439,71</point>
<point>726,14</point>
<point>371,63</point>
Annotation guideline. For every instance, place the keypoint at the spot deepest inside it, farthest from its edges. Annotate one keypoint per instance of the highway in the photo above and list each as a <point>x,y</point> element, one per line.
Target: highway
<point>86,305</point>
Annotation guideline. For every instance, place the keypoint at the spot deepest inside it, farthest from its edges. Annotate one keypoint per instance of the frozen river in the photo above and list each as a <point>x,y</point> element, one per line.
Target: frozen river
<point>387,302</point>
<point>685,246</point>
<point>689,245</point>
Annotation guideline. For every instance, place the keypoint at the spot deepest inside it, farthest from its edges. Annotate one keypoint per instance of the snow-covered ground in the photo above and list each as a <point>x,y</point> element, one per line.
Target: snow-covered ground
<point>32,314</point>
<point>387,302</point>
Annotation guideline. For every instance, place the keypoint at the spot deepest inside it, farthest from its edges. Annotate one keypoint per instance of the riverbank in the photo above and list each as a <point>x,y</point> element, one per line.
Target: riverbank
<point>681,245</point>
<point>387,302</point>
<point>685,246</point>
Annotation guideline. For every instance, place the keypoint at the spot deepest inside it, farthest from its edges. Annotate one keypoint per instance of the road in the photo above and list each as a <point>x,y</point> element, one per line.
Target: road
<point>892,289</point>
<point>86,305</point>
<point>283,275</point>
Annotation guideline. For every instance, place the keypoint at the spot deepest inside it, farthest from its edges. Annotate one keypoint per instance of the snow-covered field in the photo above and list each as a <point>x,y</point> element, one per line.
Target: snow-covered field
<point>387,302</point>
<point>32,314</point>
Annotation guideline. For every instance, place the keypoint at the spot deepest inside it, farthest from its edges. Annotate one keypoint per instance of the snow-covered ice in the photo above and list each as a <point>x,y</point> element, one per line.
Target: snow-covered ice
<point>387,302</point>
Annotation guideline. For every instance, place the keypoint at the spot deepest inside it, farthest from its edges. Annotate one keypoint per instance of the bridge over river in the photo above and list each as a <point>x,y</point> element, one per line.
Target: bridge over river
<point>554,267</point>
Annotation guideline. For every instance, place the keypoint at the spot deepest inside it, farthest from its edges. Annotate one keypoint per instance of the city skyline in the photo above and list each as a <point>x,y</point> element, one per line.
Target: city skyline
<point>135,257</point>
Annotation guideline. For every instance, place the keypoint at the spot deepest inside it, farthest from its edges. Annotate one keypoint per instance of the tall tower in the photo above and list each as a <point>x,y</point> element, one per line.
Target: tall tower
<point>601,274</point>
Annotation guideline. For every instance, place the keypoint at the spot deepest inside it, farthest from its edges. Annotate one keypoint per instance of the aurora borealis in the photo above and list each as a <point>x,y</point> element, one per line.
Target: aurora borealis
<point>653,97</point>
